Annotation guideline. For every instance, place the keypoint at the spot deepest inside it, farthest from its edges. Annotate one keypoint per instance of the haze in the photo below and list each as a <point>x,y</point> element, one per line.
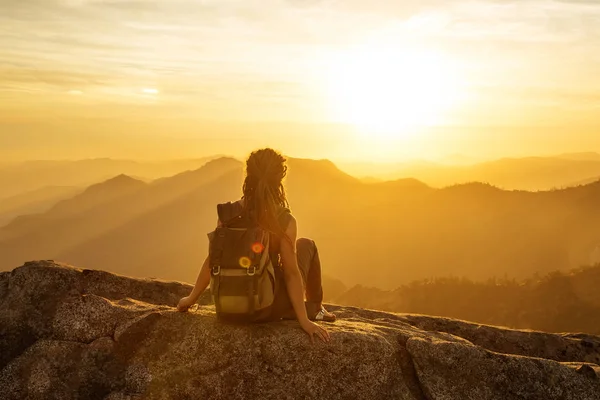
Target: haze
<point>319,79</point>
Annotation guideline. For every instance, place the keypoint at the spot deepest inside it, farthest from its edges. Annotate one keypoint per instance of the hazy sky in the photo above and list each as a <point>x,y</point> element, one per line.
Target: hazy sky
<point>338,79</point>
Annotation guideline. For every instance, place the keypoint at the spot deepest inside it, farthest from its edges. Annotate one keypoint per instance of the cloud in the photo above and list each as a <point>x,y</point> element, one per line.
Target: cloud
<point>263,49</point>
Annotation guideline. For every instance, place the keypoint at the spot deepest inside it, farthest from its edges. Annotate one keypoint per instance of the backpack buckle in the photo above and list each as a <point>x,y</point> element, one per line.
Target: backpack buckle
<point>251,271</point>
<point>216,270</point>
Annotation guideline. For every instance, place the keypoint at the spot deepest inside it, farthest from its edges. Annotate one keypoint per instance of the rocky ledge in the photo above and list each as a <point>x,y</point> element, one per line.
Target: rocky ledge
<point>68,333</point>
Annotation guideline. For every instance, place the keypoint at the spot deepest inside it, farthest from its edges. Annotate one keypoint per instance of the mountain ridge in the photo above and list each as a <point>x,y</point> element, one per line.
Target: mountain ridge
<point>97,194</point>
<point>519,172</point>
<point>46,234</point>
<point>513,173</point>
<point>26,176</point>
<point>165,224</point>
<point>34,202</point>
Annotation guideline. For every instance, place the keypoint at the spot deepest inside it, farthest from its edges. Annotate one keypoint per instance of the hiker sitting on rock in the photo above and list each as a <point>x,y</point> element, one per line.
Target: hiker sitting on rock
<point>256,268</point>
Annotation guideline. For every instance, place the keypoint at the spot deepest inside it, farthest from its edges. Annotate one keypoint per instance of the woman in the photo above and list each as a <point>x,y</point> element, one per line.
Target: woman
<point>264,198</point>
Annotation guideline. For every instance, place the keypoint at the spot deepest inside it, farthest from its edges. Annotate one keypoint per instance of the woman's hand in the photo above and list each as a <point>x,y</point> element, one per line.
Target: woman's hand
<point>185,304</point>
<point>313,330</point>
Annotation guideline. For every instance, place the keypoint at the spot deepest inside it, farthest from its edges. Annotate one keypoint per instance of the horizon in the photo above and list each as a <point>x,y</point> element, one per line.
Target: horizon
<point>446,160</point>
<point>431,174</point>
<point>243,156</point>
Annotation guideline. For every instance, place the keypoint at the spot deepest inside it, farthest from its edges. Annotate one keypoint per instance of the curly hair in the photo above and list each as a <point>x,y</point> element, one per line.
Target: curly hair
<point>264,194</point>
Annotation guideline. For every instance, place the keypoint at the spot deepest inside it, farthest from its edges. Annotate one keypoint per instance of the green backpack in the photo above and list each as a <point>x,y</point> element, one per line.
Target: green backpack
<point>242,283</point>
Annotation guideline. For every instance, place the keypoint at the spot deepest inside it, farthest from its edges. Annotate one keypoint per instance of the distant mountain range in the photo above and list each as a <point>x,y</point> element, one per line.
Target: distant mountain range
<point>17,178</point>
<point>35,201</point>
<point>380,234</point>
<point>532,173</point>
<point>582,156</point>
<point>529,173</point>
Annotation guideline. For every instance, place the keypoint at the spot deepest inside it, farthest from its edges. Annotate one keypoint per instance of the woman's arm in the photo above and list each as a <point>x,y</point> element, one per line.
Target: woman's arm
<point>202,283</point>
<point>293,282</point>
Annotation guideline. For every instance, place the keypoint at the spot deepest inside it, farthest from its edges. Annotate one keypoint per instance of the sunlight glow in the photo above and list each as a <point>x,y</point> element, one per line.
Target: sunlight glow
<point>389,92</point>
<point>150,91</point>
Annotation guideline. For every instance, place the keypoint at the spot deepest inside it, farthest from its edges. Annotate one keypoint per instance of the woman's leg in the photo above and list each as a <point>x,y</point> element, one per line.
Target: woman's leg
<point>309,264</point>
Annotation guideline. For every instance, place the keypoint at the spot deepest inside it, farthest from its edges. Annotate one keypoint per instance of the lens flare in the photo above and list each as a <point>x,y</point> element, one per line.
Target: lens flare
<point>245,262</point>
<point>258,247</point>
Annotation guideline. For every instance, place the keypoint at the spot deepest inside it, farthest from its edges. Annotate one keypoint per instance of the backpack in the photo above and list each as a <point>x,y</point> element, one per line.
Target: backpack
<point>242,283</point>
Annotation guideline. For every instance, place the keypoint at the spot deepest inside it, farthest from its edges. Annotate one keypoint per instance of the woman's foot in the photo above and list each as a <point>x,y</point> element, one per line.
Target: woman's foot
<point>324,315</point>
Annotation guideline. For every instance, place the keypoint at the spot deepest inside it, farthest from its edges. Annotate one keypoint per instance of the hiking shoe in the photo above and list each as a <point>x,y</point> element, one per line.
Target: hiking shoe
<point>325,316</point>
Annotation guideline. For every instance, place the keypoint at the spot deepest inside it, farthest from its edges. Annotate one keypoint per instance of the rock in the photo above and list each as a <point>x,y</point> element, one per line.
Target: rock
<point>564,348</point>
<point>587,371</point>
<point>449,370</point>
<point>67,333</point>
<point>50,300</point>
<point>52,369</point>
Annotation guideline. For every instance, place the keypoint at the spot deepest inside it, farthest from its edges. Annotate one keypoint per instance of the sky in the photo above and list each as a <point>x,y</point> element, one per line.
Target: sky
<point>315,78</point>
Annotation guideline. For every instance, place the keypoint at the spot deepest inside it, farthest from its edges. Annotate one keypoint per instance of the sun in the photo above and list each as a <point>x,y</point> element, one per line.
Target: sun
<point>389,92</point>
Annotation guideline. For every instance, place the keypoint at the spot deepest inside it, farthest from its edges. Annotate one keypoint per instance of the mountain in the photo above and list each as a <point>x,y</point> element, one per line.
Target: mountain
<point>36,201</point>
<point>533,173</point>
<point>583,156</point>
<point>554,302</point>
<point>90,198</point>
<point>17,178</point>
<point>98,194</point>
<point>584,182</point>
<point>87,334</point>
<point>529,173</point>
<point>376,234</point>
<point>53,233</point>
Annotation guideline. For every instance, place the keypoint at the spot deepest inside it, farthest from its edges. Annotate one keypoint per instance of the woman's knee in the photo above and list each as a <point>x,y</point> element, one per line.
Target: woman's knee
<point>305,244</point>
